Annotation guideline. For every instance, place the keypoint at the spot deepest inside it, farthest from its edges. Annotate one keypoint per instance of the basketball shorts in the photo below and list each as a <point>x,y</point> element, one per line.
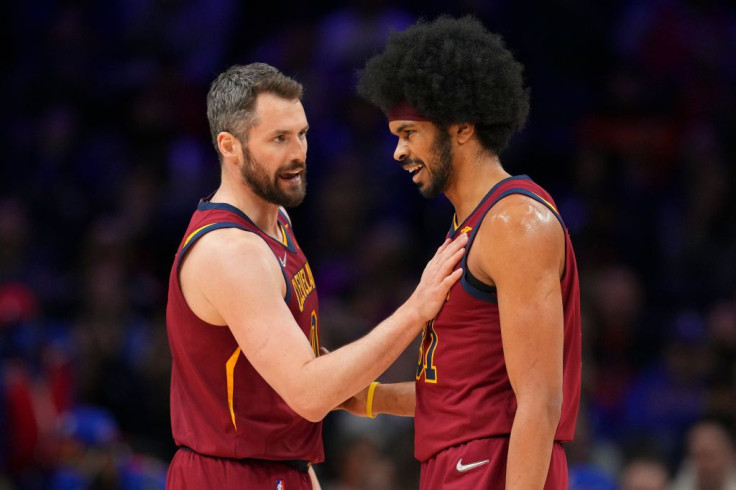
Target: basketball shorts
<point>481,465</point>
<point>192,471</point>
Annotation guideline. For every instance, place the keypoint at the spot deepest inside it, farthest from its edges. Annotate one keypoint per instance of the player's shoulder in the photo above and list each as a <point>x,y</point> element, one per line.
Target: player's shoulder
<point>232,245</point>
<point>520,215</point>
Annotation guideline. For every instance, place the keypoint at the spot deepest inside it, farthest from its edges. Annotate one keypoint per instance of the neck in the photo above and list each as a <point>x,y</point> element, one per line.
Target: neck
<point>237,193</point>
<point>471,180</point>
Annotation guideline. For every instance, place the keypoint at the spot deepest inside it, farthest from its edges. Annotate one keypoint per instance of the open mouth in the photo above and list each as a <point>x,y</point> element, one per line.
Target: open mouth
<point>414,169</point>
<point>291,175</point>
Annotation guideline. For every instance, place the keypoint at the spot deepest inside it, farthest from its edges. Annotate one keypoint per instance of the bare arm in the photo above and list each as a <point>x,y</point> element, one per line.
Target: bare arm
<point>392,399</point>
<point>232,278</point>
<point>523,254</point>
<point>313,478</point>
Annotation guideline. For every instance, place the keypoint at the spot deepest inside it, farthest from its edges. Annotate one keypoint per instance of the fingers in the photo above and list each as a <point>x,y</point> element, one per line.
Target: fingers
<point>449,254</point>
<point>452,278</point>
<point>460,241</point>
<point>457,256</point>
<point>456,244</point>
<point>446,267</point>
<point>449,247</point>
<point>444,245</point>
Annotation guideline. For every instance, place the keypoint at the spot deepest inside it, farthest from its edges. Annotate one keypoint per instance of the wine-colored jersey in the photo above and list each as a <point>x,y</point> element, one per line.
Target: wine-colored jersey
<point>462,389</point>
<point>220,405</point>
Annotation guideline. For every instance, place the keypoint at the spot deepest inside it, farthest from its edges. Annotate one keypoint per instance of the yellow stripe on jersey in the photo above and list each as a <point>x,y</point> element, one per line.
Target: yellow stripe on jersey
<point>230,376</point>
<point>455,225</point>
<point>552,206</point>
<point>191,235</point>
<point>283,235</point>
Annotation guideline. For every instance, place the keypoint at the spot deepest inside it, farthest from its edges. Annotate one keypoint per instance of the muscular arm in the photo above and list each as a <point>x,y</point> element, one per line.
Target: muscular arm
<point>522,247</point>
<point>232,278</point>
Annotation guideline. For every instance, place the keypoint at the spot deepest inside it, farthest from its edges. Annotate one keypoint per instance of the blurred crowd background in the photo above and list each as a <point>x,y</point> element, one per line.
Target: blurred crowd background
<point>105,153</point>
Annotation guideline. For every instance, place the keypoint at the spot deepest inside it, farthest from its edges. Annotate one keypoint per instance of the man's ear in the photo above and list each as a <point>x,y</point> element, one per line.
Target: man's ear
<point>462,132</point>
<point>228,145</point>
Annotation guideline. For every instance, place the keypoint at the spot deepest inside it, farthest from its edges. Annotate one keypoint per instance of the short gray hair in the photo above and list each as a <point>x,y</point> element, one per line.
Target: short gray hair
<point>233,94</point>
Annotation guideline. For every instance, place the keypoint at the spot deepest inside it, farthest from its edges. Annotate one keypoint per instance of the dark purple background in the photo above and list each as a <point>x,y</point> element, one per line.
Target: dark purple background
<point>106,151</point>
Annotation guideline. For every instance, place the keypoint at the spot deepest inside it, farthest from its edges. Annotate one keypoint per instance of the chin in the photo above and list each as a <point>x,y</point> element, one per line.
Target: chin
<point>293,200</point>
<point>429,191</point>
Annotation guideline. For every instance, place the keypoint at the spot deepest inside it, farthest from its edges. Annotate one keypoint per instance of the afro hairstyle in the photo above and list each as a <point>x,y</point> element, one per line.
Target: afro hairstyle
<point>452,71</point>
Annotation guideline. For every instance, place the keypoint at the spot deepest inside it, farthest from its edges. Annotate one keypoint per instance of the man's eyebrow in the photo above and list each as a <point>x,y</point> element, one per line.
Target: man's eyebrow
<point>289,131</point>
<point>403,127</point>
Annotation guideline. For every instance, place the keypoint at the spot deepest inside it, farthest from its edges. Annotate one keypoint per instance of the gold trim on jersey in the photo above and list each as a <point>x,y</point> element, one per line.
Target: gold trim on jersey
<point>284,240</point>
<point>230,376</point>
<point>552,206</point>
<point>455,225</point>
<point>191,235</point>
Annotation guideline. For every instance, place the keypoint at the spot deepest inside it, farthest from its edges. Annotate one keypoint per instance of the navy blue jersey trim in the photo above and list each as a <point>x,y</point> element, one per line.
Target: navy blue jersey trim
<point>205,205</point>
<point>218,226</point>
<point>468,285</point>
<point>205,229</point>
<point>286,228</point>
<point>285,216</point>
<point>454,231</point>
<point>488,296</point>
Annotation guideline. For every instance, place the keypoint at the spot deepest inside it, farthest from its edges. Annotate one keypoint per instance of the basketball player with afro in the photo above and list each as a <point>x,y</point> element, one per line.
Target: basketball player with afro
<point>497,383</point>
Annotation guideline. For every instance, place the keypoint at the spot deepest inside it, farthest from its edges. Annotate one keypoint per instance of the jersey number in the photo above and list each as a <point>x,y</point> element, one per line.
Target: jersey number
<point>426,356</point>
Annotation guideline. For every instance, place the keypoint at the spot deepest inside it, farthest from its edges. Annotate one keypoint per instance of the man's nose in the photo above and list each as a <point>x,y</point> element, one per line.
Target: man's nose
<point>401,152</point>
<point>299,150</point>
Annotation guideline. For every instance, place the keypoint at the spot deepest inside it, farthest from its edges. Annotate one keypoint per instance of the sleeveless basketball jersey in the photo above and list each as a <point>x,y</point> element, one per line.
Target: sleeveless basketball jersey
<point>462,389</point>
<point>220,405</point>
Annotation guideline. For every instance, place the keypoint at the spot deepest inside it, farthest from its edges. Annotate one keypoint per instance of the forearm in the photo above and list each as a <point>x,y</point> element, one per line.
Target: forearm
<point>312,386</point>
<point>332,378</point>
<point>530,446</point>
<point>395,399</point>
<point>392,399</point>
<point>314,480</point>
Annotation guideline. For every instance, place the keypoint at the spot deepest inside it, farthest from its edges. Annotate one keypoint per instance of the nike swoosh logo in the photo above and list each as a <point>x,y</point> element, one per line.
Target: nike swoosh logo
<point>465,467</point>
<point>283,261</point>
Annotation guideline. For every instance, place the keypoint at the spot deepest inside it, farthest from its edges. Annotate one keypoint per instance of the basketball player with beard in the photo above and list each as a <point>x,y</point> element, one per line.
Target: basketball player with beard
<point>248,386</point>
<point>497,383</point>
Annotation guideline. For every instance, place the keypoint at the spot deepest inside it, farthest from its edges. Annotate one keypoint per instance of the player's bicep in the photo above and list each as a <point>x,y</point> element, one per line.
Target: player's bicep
<point>245,284</point>
<point>523,258</point>
<point>532,335</point>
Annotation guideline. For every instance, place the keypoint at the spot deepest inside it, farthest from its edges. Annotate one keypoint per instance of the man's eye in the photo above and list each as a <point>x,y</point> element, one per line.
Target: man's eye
<point>279,138</point>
